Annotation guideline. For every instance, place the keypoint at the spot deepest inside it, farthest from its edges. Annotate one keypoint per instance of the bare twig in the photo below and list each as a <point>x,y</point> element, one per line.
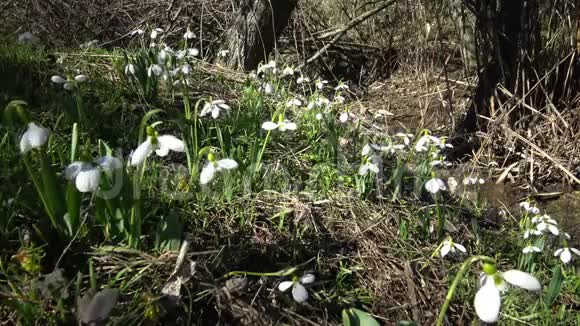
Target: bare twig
<point>340,32</point>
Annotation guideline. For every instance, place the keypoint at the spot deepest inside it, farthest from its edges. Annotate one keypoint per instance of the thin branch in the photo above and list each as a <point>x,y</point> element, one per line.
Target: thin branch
<point>340,32</point>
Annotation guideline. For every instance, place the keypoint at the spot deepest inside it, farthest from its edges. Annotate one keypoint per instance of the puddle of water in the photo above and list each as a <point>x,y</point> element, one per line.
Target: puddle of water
<point>565,207</point>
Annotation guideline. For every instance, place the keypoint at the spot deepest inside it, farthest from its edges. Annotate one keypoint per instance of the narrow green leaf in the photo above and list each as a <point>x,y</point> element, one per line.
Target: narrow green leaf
<point>73,203</point>
<point>169,234</point>
<point>345,317</point>
<point>74,142</point>
<point>555,286</point>
<point>357,317</point>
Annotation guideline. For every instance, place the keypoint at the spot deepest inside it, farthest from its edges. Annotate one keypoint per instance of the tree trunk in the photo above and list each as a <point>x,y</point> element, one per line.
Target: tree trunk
<point>252,36</point>
<point>511,32</point>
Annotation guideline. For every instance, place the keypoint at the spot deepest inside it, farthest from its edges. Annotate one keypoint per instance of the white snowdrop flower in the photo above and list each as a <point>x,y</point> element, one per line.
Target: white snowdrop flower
<point>87,176</point>
<point>209,170</point>
<point>340,87</point>
<point>288,71</point>
<point>435,185</point>
<point>215,108</point>
<point>193,52</point>
<point>370,164</point>
<point>26,37</point>
<point>302,80</point>
<point>390,148</point>
<point>223,53</point>
<point>154,69</point>
<point>162,56</point>
<point>449,246</point>
<point>57,79</point>
<point>160,144</point>
<point>529,208</point>
<point>565,254</point>
<point>406,137</point>
<point>487,301</point>
<point>543,218</point>
<point>137,32</point>
<point>566,236</point>
<point>440,163</point>
<point>286,125</point>
<point>181,54</point>
<point>346,116</point>
<point>322,101</point>
<point>186,69</point>
<point>130,69</point>
<point>299,292</point>
<point>422,144</point>
<point>548,224</point>
<point>34,137</point>
<point>188,35</point>
<point>366,150</point>
<point>339,99</point>
<point>81,78</point>
<point>529,232</point>
<point>267,88</point>
<point>529,249</point>
<point>293,102</point>
<point>318,116</point>
<point>321,83</point>
<point>472,181</point>
<point>155,32</point>
<point>269,67</point>
<point>281,125</point>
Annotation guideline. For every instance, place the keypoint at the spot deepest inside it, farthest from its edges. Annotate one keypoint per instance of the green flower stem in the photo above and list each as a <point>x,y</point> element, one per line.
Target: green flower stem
<point>284,272</point>
<point>261,153</point>
<point>39,190</point>
<point>440,217</point>
<point>456,281</point>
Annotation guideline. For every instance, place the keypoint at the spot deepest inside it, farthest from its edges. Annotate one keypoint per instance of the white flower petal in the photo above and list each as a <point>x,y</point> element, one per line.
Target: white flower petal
<point>269,125</point>
<point>307,278</point>
<point>142,152</point>
<point>227,164</point>
<point>522,280</point>
<point>554,229</point>
<point>68,86</point>
<point>34,137</point>
<point>558,252</point>
<point>207,174</point>
<point>285,285</point>
<point>73,169</point>
<point>57,79</point>
<point>566,256</point>
<point>576,251</point>
<point>88,180</point>
<point>81,78</point>
<point>374,167</point>
<point>460,247</point>
<point>435,185</point>
<point>445,249</point>
<point>169,142</point>
<point>289,126</point>
<point>343,117</point>
<point>299,293</point>
<point>487,303</point>
<point>363,169</point>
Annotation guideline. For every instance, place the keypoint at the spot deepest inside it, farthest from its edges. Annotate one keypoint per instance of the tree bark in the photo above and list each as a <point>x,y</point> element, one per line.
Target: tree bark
<point>510,32</point>
<point>252,36</point>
